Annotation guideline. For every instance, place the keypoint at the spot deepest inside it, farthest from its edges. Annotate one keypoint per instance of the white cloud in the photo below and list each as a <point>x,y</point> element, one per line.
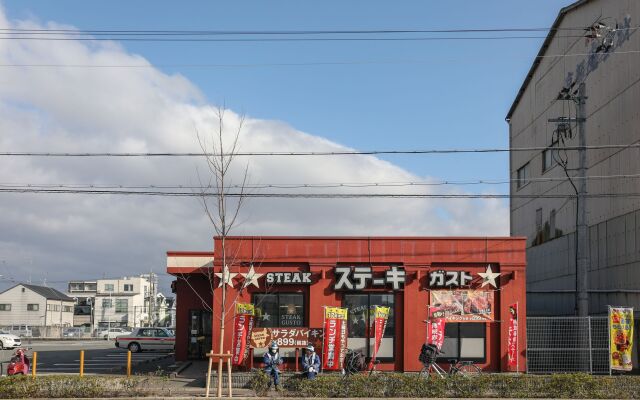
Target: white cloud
<point>143,109</point>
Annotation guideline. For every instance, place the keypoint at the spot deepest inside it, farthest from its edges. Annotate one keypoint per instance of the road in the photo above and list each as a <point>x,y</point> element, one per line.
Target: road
<point>100,357</point>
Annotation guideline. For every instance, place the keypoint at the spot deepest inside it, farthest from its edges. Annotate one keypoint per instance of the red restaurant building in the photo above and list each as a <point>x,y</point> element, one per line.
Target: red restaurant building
<point>291,279</point>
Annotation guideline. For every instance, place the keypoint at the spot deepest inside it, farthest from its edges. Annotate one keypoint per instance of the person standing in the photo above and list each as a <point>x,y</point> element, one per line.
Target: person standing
<point>271,361</point>
<point>310,363</point>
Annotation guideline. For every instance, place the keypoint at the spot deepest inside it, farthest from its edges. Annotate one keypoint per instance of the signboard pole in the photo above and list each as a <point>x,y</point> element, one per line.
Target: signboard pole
<point>609,336</point>
<point>518,338</point>
<point>324,324</point>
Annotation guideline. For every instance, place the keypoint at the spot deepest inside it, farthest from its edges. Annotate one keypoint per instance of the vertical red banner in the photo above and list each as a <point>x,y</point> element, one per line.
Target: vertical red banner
<point>335,338</point>
<point>242,327</point>
<point>380,318</point>
<point>435,327</point>
<point>512,344</point>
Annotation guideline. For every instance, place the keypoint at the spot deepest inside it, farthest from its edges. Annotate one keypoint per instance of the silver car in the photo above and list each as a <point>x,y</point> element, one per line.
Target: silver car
<point>147,339</point>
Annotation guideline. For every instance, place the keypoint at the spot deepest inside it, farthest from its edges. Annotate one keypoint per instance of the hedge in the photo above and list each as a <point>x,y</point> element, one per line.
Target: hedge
<point>66,386</point>
<point>485,385</point>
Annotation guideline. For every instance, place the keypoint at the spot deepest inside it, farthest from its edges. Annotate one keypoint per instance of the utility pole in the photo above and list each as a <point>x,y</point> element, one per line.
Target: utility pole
<point>582,241</point>
<point>582,264</point>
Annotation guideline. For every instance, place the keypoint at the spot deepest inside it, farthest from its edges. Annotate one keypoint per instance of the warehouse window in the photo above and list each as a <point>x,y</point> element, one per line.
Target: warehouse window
<point>122,305</point>
<point>279,310</point>
<point>67,309</point>
<point>550,157</point>
<point>33,307</point>
<point>5,307</point>
<point>522,176</point>
<point>464,341</point>
<point>359,323</point>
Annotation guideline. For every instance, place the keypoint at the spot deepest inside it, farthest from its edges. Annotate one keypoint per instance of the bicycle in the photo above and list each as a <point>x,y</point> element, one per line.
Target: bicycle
<point>429,355</point>
<point>355,362</point>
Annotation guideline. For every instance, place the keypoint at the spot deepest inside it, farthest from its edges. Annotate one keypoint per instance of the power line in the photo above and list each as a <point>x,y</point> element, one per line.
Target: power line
<point>286,32</point>
<point>309,153</point>
<point>310,195</point>
<point>325,185</point>
<point>284,64</point>
<point>286,39</point>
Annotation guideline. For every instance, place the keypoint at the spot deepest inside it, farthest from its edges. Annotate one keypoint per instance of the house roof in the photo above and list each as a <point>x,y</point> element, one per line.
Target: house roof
<point>47,292</point>
<point>545,45</point>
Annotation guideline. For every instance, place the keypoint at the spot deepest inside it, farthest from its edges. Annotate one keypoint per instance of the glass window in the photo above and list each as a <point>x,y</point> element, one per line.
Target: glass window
<point>360,320</point>
<point>550,157</point>
<point>128,288</point>
<point>523,176</point>
<point>33,307</point>
<point>106,303</point>
<point>108,287</point>
<point>464,341</point>
<point>161,333</point>
<point>122,305</point>
<point>279,310</point>
<point>5,307</point>
<point>66,309</point>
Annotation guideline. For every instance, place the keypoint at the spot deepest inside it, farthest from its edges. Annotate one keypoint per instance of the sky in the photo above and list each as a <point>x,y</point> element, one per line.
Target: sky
<point>295,96</point>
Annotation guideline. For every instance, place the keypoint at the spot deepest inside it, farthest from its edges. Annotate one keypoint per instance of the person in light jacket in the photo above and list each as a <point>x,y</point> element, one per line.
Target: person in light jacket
<point>271,361</point>
<point>310,363</point>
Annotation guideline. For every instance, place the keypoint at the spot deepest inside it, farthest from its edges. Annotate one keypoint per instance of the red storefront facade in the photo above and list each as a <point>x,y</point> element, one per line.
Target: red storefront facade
<point>476,278</point>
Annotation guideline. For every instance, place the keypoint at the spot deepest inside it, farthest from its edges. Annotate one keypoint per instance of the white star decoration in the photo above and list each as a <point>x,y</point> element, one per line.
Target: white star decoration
<point>266,317</point>
<point>489,277</point>
<point>225,277</point>
<point>251,278</point>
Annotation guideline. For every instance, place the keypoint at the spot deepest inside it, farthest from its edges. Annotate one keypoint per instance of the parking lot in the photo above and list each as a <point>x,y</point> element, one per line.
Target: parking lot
<point>101,357</point>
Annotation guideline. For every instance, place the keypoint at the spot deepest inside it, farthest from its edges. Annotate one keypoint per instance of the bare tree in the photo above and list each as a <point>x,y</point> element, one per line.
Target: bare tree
<point>222,199</point>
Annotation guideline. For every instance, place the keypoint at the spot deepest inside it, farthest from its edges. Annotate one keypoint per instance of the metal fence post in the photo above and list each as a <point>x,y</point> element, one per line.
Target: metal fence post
<point>590,347</point>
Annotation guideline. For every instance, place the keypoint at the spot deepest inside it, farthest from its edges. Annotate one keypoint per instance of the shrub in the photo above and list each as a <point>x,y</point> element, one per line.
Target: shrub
<point>259,383</point>
<point>484,385</point>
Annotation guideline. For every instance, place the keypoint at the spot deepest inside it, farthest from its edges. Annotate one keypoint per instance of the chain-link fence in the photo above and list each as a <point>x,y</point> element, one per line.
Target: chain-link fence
<point>49,332</point>
<point>567,344</point>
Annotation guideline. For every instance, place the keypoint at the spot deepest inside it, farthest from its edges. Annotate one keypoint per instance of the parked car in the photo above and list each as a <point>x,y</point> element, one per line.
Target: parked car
<point>147,339</point>
<point>171,331</point>
<point>20,330</point>
<point>72,332</point>
<point>113,333</point>
<point>9,341</point>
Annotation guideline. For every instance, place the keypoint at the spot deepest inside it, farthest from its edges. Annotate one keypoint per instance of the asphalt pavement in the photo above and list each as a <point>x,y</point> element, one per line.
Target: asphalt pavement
<point>100,357</point>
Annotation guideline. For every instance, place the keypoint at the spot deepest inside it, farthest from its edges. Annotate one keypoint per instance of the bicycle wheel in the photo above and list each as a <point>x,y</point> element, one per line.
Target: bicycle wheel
<point>431,372</point>
<point>468,369</point>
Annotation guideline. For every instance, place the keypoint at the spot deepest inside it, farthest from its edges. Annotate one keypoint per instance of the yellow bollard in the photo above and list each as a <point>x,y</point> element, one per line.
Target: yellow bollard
<point>81,363</point>
<point>34,364</point>
<point>129,363</point>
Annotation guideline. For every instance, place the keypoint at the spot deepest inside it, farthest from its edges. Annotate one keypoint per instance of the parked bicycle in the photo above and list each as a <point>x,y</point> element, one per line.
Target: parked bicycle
<point>355,362</point>
<point>429,355</point>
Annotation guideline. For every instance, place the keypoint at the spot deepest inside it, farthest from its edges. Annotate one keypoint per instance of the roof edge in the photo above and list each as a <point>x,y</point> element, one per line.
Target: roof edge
<point>543,49</point>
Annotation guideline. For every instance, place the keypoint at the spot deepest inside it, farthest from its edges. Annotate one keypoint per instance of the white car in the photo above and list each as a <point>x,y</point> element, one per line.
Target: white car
<point>147,339</point>
<point>113,333</point>
<point>9,341</point>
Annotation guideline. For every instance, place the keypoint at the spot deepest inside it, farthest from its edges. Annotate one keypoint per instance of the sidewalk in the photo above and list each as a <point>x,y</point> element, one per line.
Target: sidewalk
<point>191,381</point>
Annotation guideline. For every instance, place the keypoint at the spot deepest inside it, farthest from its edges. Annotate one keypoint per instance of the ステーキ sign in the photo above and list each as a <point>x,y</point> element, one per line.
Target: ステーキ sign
<point>361,277</point>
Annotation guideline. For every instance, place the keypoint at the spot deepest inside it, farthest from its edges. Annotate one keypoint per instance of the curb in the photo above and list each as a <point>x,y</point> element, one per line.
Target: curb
<point>180,369</point>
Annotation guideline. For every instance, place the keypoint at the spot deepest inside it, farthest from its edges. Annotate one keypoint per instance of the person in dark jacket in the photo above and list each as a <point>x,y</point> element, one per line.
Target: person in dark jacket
<point>271,361</point>
<point>310,363</point>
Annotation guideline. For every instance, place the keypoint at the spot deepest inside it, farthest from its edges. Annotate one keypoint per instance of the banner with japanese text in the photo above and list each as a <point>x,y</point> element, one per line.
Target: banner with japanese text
<point>242,327</point>
<point>621,341</point>
<point>464,305</point>
<point>512,339</point>
<point>435,327</point>
<point>380,318</point>
<point>335,338</point>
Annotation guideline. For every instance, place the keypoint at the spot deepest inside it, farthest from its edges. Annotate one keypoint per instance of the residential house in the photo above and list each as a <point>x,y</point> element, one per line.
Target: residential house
<point>34,305</point>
